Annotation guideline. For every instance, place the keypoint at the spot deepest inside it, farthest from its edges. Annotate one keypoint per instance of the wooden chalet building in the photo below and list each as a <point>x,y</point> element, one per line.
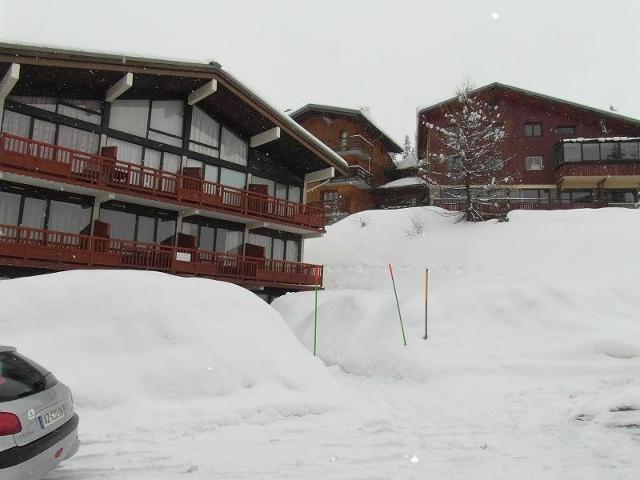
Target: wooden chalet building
<point>120,162</point>
<point>366,148</point>
<point>562,154</point>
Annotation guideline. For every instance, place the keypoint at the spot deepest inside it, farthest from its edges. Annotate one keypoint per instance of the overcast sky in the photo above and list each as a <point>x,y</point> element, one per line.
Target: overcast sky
<point>392,56</point>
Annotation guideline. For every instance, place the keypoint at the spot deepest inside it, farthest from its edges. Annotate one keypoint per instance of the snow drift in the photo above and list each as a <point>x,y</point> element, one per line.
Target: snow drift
<point>545,292</point>
<point>153,351</point>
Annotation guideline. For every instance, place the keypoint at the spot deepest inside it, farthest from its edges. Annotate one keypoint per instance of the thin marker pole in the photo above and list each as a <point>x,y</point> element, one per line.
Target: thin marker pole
<point>395,292</point>
<point>426,302</point>
<point>315,321</point>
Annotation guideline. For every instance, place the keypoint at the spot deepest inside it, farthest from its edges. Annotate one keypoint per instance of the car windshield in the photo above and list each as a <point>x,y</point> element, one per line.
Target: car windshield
<point>20,377</point>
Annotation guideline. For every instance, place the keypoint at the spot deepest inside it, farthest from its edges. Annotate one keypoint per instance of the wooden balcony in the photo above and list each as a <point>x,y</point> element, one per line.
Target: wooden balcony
<point>595,174</point>
<point>354,145</point>
<point>23,156</point>
<point>45,249</point>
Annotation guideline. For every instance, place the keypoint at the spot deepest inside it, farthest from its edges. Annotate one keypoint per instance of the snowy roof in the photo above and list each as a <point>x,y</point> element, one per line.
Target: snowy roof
<point>537,95</point>
<point>405,182</point>
<point>361,113</point>
<point>600,139</point>
<point>410,161</point>
<point>210,67</point>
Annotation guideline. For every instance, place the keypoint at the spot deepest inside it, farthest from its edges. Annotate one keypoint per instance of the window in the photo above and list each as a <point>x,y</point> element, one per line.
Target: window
<point>233,178</point>
<point>629,151</point>
<point>234,149</point>
<point>278,249</point>
<point>294,194</point>
<point>34,213</point>
<point>166,122</point>
<point>78,139</point>
<point>281,191</point>
<point>130,116</point>
<point>16,123</point>
<point>9,208</point>
<point>533,129</point>
<point>68,217</point>
<point>44,131</point>
<point>572,152</point>
<point>123,224</point>
<point>271,185</point>
<point>329,196</point>
<point>590,151</point>
<point>86,110</point>
<point>229,241</point>
<point>534,163</point>
<point>20,377</point>
<point>263,241</point>
<point>127,152</point>
<point>205,133</point>
<point>565,131</point>
<point>293,251</point>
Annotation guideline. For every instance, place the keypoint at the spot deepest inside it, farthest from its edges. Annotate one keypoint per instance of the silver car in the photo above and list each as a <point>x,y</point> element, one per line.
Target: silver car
<point>38,427</point>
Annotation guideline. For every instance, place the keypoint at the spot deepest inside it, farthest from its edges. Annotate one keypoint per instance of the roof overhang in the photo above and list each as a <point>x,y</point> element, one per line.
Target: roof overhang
<point>73,74</point>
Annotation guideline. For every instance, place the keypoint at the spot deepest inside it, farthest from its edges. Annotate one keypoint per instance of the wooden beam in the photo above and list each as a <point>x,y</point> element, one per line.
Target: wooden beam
<point>121,86</point>
<point>265,137</point>
<point>203,92</point>
<point>9,80</point>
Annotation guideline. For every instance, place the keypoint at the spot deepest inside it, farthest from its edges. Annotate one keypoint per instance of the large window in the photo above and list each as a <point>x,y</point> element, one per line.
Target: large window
<point>69,217</point>
<point>233,178</point>
<point>130,116</point>
<point>229,241</point>
<point>572,152</point>
<point>166,122</point>
<point>9,208</point>
<point>205,133</point>
<point>234,149</point>
<point>16,123</point>
<point>78,139</point>
<point>151,227</point>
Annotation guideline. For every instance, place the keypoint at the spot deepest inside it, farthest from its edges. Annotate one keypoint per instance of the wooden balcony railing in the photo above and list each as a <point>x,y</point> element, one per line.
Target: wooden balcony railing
<point>353,143</point>
<point>32,247</point>
<point>356,172</point>
<point>597,169</point>
<point>62,164</point>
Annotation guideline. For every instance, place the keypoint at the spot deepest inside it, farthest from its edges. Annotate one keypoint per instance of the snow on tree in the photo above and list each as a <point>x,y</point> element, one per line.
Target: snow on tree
<point>474,168</point>
<point>408,157</point>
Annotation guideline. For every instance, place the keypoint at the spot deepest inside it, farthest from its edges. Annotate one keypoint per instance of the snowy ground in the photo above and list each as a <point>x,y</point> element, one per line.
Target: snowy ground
<point>531,371</point>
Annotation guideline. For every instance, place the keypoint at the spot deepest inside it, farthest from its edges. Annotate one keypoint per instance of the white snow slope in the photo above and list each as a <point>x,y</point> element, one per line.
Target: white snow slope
<point>531,369</point>
<point>154,359</point>
<point>532,365</point>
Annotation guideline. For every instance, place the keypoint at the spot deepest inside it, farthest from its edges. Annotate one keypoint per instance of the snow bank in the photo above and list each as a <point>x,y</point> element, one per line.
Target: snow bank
<point>545,292</point>
<point>156,351</point>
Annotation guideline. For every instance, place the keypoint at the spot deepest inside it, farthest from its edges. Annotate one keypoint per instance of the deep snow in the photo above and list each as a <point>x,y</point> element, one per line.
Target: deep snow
<point>531,369</point>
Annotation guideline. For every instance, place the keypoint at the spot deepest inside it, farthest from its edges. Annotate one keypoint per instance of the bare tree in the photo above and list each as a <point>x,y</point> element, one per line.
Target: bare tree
<point>473,163</point>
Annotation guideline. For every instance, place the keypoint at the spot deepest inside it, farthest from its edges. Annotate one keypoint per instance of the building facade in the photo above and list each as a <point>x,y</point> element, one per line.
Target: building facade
<point>561,154</point>
<point>120,162</point>
<point>365,147</point>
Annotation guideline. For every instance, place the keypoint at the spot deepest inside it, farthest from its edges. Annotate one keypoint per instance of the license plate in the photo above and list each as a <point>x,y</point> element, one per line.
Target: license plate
<point>51,417</point>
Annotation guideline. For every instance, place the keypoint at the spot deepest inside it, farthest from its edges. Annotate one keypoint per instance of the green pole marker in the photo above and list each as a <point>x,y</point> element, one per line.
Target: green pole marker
<point>395,292</point>
<point>315,322</point>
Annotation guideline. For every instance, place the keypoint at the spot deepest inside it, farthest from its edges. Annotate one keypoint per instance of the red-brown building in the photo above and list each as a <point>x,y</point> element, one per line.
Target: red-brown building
<point>366,148</point>
<point>109,161</point>
<point>561,154</point>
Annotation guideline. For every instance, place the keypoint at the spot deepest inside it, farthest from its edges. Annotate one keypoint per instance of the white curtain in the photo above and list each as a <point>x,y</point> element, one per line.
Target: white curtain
<point>281,191</point>
<point>72,112</point>
<point>44,131</point>
<point>233,178</point>
<point>152,158</point>
<point>68,217</point>
<point>292,251</point>
<point>211,173</point>
<point>171,162</point>
<point>294,194</point>
<point>234,149</point>
<point>130,116</point>
<point>78,139</point>
<point>127,152</point>
<point>229,241</point>
<point>16,123</point>
<point>263,181</point>
<point>45,103</point>
<point>33,213</point>
<point>205,130</point>
<point>263,241</point>
<point>278,249</point>
<point>9,208</point>
<point>166,116</point>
